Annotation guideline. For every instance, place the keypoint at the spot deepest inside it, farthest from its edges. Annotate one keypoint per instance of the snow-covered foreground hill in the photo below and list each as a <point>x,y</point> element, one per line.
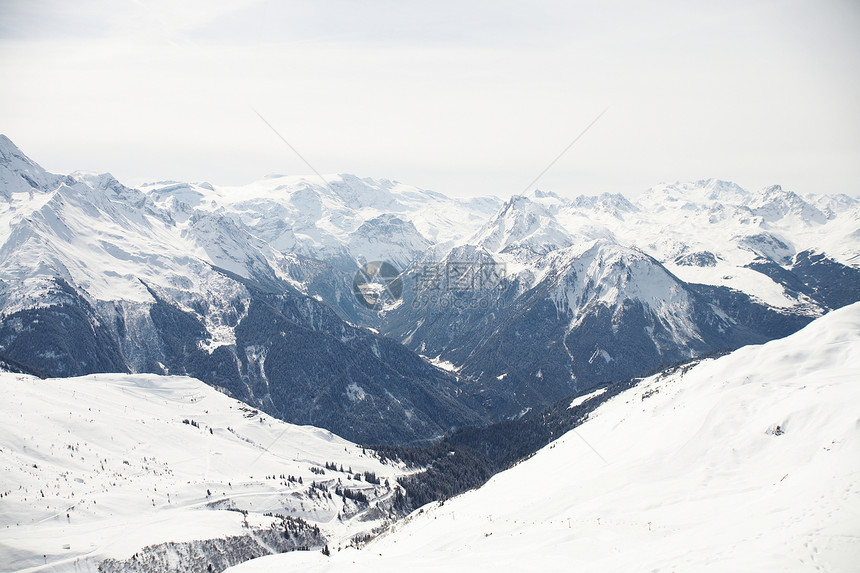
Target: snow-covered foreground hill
<point>102,466</point>
<point>749,462</point>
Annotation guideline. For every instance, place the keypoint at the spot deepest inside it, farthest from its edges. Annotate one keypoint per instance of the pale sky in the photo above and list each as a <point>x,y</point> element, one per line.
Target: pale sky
<point>461,97</point>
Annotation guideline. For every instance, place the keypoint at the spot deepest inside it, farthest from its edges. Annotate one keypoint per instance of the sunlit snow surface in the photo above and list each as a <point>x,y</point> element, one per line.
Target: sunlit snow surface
<point>113,453</point>
<point>698,478</point>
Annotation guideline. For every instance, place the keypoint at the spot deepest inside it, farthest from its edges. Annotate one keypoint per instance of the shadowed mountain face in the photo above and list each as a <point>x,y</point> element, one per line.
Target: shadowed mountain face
<point>290,356</point>
<point>598,314</point>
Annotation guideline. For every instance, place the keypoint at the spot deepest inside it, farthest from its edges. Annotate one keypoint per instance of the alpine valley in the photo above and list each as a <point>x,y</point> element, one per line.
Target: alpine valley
<point>199,364</point>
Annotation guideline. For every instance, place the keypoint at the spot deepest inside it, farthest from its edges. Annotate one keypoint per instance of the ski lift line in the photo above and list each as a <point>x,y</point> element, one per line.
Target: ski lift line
<point>565,150</point>
<point>294,150</point>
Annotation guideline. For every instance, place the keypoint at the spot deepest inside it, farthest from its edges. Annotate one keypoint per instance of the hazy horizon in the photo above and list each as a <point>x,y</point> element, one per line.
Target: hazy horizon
<point>463,99</point>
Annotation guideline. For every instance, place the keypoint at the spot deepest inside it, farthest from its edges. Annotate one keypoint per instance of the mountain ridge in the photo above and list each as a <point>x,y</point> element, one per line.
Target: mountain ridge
<point>163,278</point>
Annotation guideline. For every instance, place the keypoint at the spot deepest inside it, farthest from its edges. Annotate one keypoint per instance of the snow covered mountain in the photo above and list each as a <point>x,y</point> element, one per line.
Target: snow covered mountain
<point>522,224</point>
<point>149,473</point>
<point>746,462</point>
<point>582,316</point>
<point>97,277</point>
<point>251,288</point>
<point>506,308</point>
<point>710,231</point>
<point>599,289</point>
<point>342,217</point>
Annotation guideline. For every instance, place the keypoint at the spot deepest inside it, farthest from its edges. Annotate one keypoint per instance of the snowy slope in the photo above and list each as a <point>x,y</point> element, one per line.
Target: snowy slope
<point>141,460</point>
<point>20,176</point>
<point>594,312</point>
<point>750,462</point>
<point>106,238</point>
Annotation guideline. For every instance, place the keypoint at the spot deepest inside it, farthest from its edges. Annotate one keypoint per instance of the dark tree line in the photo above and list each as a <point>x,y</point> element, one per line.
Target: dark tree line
<point>353,494</point>
<point>470,456</point>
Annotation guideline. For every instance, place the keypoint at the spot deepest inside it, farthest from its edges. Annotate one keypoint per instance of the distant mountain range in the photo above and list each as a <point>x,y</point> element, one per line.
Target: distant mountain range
<point>506,306</point>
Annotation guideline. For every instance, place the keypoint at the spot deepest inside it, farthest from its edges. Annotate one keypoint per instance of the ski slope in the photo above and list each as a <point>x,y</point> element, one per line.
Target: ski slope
<point>102,466</point>
<point>749,462</point>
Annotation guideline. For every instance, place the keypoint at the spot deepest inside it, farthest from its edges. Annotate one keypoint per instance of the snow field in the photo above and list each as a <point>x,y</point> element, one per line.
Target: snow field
<point>104,465</point>
<point>750,462</point>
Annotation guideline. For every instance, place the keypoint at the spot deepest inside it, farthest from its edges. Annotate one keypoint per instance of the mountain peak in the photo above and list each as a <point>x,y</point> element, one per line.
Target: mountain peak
<point>20,174</point>
<point>522,223</point>
<point>6,143</point>
<point>539,194</point>
<point>613,203</point>
<point>10,153</point>
<point>724,191</point>
<point>774,203</point>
